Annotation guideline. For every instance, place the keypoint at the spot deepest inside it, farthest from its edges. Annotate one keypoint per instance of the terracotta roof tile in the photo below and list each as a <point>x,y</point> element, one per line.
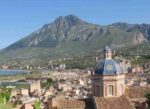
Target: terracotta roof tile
<point>70,104</point>
<point>113,103</point>
<point>137,92</point>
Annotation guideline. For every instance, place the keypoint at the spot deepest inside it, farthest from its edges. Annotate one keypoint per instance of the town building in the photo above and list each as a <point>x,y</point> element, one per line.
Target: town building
<point>35,86</point>
<point>108,84</point>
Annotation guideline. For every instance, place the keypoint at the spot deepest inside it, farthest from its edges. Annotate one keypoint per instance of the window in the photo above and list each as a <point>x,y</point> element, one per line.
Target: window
<point>121,88</point>
<point>97,90</point>
<point>110,90</point>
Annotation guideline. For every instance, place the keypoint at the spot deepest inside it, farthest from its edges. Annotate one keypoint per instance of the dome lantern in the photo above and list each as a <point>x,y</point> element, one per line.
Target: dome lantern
<point>107,52</point>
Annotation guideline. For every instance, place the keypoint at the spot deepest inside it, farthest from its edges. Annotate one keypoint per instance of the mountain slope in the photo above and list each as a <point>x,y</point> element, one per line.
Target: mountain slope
<point>143,28</point>
<point>50,34</point>
<point>71,36</point>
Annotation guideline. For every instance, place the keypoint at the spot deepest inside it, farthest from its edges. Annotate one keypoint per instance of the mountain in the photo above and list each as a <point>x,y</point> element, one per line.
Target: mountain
<point>71,36</point>
<point>143,28</point>
<point>50,34</point>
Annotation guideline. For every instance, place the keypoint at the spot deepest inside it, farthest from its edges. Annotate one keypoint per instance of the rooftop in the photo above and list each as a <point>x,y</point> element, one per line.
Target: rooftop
<point>61,104</point>
<point>121,102</point>
<point>137,92</point>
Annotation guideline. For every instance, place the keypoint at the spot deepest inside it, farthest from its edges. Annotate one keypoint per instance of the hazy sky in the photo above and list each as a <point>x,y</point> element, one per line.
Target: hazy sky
<point>18,18</point>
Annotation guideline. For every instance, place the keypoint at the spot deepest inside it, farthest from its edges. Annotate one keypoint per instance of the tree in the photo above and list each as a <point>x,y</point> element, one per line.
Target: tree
<point>4,97</point>
<point>48,83</point>
<point>148,99</point>
<point>37,105</point>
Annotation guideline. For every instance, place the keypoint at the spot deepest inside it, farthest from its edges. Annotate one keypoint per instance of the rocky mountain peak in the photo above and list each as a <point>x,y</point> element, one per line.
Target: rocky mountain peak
<point>62,24</point>
<point>69,20</point>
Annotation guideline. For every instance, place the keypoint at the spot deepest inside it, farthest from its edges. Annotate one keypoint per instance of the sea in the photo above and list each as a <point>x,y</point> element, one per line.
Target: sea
<point>12,72</point>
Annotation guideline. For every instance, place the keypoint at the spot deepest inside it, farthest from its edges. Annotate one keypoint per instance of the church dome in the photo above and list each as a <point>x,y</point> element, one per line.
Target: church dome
<point>108,67</point>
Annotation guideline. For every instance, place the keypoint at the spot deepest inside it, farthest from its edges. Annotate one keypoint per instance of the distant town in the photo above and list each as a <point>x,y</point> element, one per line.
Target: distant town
<point>106,80</point>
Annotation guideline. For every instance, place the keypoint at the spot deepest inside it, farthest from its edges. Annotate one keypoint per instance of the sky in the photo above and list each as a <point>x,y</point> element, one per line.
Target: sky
<point>18,18</point>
